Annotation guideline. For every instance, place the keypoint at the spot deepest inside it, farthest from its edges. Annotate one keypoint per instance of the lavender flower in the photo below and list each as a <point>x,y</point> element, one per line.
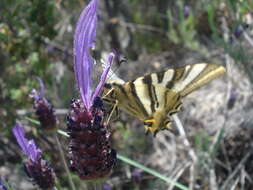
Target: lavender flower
<point>2,187</point>
<point>36,168</point>
<point>44,110</point>
<point>90,153</point>
<point>137,175</point>
<point>186,11</point>
<point>238,31</point>
<point>107,187</point>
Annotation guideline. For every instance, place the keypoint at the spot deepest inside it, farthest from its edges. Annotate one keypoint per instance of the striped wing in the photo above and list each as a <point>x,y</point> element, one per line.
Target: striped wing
<point>183,80</point>
<point>146,98</point>
<point>152,97</point>
<point>138,100</point>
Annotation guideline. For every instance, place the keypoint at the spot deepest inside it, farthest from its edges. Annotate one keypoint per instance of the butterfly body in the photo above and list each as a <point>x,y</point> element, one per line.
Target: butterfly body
<point>155,97</point>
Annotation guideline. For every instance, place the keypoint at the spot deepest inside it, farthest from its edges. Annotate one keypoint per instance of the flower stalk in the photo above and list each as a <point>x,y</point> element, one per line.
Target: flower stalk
<point>90,153</point>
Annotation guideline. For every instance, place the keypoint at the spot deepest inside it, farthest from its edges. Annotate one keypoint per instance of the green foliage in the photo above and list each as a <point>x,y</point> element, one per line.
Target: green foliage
<point>183,31</point>
<point>36,40</point>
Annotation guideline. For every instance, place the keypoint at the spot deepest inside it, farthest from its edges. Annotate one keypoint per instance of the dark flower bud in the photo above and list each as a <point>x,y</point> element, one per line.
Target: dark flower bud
<point>136,176</point>
<point>41,173</point>
<point>186,11</point>
<point>36,168</point>
<point>2,187</point>
<point>238,31</point>
<point>44,110</point>
<point>232,99</point>
<point>90,153</point>
<point>107,187</point>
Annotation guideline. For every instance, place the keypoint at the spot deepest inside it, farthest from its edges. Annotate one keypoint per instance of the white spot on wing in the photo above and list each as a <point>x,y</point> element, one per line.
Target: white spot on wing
<point>168,75</point>
<point>142,93</point>
<point>154,78</point>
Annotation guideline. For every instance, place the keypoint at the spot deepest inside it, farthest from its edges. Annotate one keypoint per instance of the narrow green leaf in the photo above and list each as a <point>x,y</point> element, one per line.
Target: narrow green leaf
<point>150,171</point>
<point>34,121</point>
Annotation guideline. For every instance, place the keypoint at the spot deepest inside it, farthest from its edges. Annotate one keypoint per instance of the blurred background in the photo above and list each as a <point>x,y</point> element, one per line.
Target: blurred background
<point>36,40</point>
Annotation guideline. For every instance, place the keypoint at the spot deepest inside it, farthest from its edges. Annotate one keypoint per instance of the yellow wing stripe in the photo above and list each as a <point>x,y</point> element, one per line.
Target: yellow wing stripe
<point>209,73</point>
<point>194,71</point>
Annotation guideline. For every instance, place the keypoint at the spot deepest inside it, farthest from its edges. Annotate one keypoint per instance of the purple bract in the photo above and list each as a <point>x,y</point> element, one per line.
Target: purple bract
<point>35,167</point>
<point>85,35</point>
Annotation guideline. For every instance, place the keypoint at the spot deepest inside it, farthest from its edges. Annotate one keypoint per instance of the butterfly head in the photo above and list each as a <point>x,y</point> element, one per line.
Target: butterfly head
<point>159,122</point>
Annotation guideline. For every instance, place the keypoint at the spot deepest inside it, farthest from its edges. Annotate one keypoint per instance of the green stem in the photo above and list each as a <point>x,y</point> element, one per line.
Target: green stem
<point>97,186</point>
<point>71,183</point>
<point>152,172</point>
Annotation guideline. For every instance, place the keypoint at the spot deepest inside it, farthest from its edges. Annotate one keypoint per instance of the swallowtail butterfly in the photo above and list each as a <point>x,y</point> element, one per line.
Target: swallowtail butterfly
<point>153,98</point>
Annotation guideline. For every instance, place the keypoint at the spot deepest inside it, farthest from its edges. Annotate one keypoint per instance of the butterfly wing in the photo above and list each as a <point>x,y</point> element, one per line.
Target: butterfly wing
<point>196,76</point>
<point>184,80</point>
<point>151,97</point>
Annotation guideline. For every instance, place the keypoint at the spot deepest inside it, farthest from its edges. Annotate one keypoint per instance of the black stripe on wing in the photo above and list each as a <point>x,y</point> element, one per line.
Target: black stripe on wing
<point>137,99</point>
<point>147,80</point>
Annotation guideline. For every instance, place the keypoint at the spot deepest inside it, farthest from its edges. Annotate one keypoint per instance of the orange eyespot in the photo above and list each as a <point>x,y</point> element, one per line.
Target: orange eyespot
<point>149,123</point>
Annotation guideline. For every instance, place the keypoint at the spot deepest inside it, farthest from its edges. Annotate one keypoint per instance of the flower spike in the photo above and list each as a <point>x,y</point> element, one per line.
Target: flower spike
<point>35,167</point>
<point>44,109</point>
<point>90,152</point>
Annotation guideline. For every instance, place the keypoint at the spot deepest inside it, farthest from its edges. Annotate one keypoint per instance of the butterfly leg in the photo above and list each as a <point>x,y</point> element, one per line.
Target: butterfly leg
<point>114,108</point>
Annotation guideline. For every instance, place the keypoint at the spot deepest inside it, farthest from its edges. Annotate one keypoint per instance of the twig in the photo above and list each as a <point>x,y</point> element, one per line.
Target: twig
<point>248,38</point>
<point>185,140</point>
<point>213,183</point>
<point>192,177</point>
<point>97,186</point>
<point>58,111</point>
<point>71,183</point>
<point>235,184</point>
<point>179,174</point>
<point>135,26</point>
<point>228,64</point>
<point>239,166</point>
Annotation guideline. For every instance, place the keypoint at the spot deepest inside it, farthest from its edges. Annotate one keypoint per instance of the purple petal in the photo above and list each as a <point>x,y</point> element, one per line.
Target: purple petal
<point>35,95</point>
<point>103,76</point>
<point>29,148</point>
<point>85,35</point>
<point>42,88</point>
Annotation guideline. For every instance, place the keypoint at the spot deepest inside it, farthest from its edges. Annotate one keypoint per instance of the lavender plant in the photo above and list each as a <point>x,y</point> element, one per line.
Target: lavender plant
<point>44,110</point>
<point>36,168</point>
<point>2,186</point>
<point>90,153</point>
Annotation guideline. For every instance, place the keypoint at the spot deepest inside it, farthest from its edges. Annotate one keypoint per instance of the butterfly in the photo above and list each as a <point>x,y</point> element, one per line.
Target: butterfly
<point>155,97</point>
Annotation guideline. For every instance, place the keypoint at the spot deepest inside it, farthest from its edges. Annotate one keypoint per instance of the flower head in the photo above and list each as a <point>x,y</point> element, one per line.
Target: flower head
<point>2,187</point>
<point>90,153</point>
<point>186,11</point>
<point>136,175</point>
<point>85,35</point>
<point>36,168</point>
<point>44,110</point>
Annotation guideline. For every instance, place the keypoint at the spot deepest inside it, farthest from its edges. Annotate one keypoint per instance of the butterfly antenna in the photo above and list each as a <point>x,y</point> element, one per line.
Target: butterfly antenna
<point>112,73</point>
